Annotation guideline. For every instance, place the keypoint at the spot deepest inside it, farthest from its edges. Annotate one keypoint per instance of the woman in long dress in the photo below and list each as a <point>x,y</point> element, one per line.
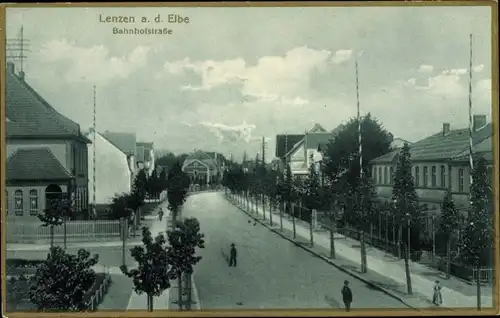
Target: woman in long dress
<point>437,298</point>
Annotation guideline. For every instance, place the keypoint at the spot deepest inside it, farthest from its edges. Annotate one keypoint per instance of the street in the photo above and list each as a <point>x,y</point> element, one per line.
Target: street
<point>272,273</point>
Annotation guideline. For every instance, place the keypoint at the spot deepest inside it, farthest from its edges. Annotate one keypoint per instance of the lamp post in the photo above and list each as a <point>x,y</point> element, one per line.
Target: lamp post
<point>409,236</point>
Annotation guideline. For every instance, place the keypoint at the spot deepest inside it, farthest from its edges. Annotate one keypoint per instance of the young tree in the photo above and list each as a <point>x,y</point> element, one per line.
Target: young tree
<point>183,240</point>
<point>312,196</point>
<point>152,275</point>
<point>54,215</point>
<point>61,282</point>
<point>448,225</point>
<point>365,205</point>
<point>406,207</point>
<point>139,189</point>
<point>477,240</point>
<point>120,206</point>
<point>178,186</point>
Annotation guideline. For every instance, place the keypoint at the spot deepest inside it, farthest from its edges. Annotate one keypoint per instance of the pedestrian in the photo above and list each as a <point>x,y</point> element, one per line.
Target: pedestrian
<point>160,214</point>
<point>437,298</point>
<point>232,256</point>
<point>346,295</point>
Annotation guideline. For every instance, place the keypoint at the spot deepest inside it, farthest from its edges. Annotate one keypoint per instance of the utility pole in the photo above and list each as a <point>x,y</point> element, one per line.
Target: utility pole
<point>16,49</point>
<point>94,212</point>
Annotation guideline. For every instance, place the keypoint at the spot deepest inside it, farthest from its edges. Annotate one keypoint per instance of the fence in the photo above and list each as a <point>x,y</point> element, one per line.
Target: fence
<point>33,232</point>
<point>485,275</point>
<point>98,296</point>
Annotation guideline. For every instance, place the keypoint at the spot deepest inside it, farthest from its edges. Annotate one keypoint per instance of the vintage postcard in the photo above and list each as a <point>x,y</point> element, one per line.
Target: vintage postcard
<point>337,157</point>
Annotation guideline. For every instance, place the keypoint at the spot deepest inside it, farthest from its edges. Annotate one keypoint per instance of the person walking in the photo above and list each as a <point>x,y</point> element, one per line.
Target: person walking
<point>232,255</point>
<point>346,295</point>
<point>160,214</point>
<point>437,298</point>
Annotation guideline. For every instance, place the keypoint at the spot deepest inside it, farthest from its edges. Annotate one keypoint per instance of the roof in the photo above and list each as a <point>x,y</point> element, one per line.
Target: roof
<point>289,140</point>
<point>30,115</point>
<point>389,157</point>
<point>148,145</point>
<point>35,164</point>
<point>313,141</point>
<point>443,147</point>
<point>201,156</point>
<point>399,142</point>
<point>487,155</point>
<point>124,141</point>
<point>317,128</point>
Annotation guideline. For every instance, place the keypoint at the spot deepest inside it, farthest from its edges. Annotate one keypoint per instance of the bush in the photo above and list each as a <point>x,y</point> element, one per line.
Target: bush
<point>22,263</point>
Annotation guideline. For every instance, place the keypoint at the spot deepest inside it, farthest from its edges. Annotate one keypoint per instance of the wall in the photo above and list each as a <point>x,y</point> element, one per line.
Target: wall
<point>58,148</point>
<point>112,171</point>
<point>427,193</point>
<point>10,195</point>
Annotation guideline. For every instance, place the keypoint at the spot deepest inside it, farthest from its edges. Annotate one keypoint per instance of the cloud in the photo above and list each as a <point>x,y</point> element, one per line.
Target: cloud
<point>233,133</point>
<point>342,56</point>
<point>273,78</point>
<point>426,69</point>
<point>92,64</point>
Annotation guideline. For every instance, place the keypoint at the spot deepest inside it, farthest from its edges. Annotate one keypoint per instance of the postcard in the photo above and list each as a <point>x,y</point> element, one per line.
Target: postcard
<point>258,158</point>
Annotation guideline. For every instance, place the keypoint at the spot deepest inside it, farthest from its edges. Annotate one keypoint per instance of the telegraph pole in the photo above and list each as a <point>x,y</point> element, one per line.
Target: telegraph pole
<point>16,48</point>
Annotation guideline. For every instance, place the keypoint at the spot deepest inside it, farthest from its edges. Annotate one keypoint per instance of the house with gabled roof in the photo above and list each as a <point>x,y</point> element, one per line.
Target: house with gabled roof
<point>46,153</point>
<point>440,163</point>
<point>201,167</point>
<point>306,150</point>
<point>113,171</point>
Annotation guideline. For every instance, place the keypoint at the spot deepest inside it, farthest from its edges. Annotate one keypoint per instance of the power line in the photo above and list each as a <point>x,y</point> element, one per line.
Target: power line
<point>17,47</point>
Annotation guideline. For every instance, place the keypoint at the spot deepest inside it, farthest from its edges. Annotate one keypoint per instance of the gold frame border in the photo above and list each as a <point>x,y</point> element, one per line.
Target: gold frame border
<point>265,313</point>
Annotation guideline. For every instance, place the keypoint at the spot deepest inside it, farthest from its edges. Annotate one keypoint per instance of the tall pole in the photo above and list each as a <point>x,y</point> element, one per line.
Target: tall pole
<point>94,158</point>
<point>360,156</point>
<point>471,164</point>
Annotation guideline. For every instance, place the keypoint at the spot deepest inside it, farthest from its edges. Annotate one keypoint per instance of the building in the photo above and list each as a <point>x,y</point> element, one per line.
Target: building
<point>202,167</point>
<point>46,153</point>
<point>113,171</point>
<point>397,143</point>
<point>145,156</point>
<point>126,143</point>
<point>287,146</point>
<point>440,163</point>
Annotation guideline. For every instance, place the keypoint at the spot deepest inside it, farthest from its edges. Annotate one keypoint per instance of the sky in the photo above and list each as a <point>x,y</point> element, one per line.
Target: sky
<point>232,76</point>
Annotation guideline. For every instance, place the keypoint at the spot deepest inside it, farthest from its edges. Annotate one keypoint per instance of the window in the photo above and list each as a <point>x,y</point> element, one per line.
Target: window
<point>461,180</point>
<point>433,176</point>
<point>374,176</point>
<point>386,175</point>
<point>74,160</point>
<point>33,202</point>
<point>391,174</point>
<point>417,177</point>
<point>380,180</point>
<point>18,202</point>
<point>426,177</point>
<point>443,176</point>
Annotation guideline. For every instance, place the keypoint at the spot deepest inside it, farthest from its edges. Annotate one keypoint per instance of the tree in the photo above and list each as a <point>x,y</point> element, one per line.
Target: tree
<point>62,280</point>
<point>312,199</point>
<point>341,160</point>
<point>365,205</point>
<point>120,206</point>
<point>477,240</point>
<point>153,186</point>
<point>177,190</point>
<point>406,207</point>
<point>183,241</point>
<point>448,225</point>
<point>54,215</point>
<point>162,180</point>
<point>139,189</point>
<point>152,276</point>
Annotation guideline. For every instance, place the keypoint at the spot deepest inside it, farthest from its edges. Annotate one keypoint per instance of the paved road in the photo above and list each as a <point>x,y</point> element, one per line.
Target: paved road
<point>272,273</point>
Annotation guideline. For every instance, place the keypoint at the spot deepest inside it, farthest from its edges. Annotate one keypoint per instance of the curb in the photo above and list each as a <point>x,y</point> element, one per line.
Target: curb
<point>374,286</point>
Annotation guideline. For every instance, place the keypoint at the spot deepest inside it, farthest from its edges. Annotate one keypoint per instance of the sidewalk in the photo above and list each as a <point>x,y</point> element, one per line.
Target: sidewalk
<point>140,302</point>
<point>456,293</point>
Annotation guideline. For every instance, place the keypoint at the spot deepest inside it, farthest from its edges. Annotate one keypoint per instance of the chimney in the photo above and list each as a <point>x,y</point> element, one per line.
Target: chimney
<point>22,75</point>
<point>446,129</point>
<point>478,121</point>
<point>11,68</point>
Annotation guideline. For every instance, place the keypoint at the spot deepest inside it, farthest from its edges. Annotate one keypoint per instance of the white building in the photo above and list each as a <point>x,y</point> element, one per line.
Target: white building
<point>113,170</point>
